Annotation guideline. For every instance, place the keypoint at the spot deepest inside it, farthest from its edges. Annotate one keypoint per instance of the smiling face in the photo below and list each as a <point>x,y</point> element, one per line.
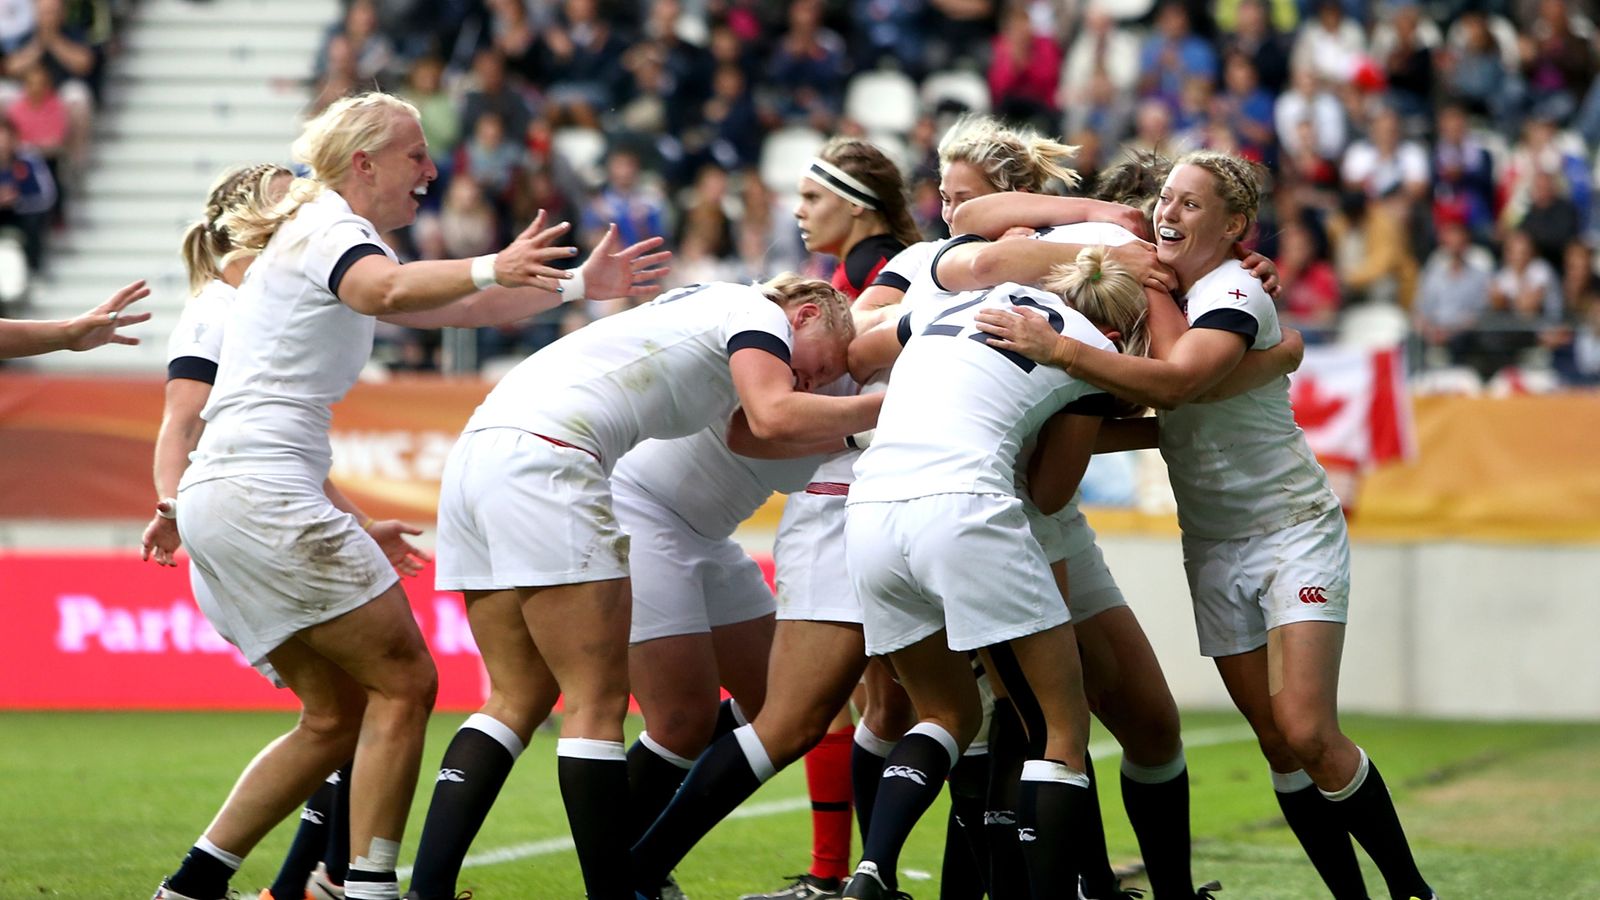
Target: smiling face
<point>819,354</point>
<point>399,174</point>
<point>1194,230</point>
<point>825,218</point>
<point>960,182</point>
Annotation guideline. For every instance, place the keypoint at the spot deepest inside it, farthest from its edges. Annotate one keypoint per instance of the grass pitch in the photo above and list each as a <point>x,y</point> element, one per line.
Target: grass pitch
<point>102,805</point>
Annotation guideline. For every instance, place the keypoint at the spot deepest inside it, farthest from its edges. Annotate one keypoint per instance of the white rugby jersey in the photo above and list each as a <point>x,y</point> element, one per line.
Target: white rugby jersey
<point>908,265</point>
<point>291,350</point>
<point>1240,466</point>
<point>655,371</point>
<point>195,347</point>
<point>960,410</point>
<point>711,488</point>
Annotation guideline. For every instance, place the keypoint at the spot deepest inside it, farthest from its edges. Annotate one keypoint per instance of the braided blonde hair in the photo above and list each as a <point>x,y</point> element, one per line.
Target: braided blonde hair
<point>1237,182</point>
<point>1011,159</point>
<point>789,290</point>
<point>207,245</point>
<point>361,122</point>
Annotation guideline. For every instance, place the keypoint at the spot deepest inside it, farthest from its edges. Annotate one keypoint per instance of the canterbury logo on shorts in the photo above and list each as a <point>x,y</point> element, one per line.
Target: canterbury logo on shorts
<point>1313,595</point>
<point>1026,835</point>
<point>915,775</point>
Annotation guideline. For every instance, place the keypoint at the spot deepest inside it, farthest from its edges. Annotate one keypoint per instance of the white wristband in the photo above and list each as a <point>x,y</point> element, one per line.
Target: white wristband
<point>483,271</point>
<point>167,507</point>
<point>861,440</point>
<point>572,289</point>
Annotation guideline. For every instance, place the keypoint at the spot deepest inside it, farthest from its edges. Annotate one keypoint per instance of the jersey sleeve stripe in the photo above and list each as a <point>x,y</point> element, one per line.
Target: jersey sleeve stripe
<point>902,331</point>
<point>949,245</point>
<point>1235,320</point>
<point>759,340</point>
<point>194,368</point>
<point>892,279</point>
<point>350,258</point>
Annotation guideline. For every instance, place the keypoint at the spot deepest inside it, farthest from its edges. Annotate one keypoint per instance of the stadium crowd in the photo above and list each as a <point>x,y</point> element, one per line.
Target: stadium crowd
<point>1435,159</point>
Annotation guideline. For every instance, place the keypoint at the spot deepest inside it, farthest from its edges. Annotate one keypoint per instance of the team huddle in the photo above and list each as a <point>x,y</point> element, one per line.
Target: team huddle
<point>930,414</point>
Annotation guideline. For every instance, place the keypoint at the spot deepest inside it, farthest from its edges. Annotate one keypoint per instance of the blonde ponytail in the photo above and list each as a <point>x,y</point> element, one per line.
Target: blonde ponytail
<point>208,246</point>
<point>1107,294</point>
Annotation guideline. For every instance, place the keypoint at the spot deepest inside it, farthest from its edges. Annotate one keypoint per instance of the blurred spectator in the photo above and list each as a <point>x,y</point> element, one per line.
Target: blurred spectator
<point>468,226</point>
<point>1575,349</point>
<point>1557,63</point>
<point>1307,101</point>
<point>1577,274</point>
<point>1310,299</point>
<point>40,115</point>
<point>1311,178</point>
<point>372,52</point>
<point>1248,108</point>
<point>1332,45</point>
<point>16,25</point>
<point>1474,69</point>
<point>706,214</point>
<point>1454,292</point>
<point>516,38</point>
<point>1023,70</point>
<point>1384,163</point>
<point>732,120</point>
<point>1543,148</point>
<point>1254,35</point>
<point>538,190</point>
<point>338,78</point>
<point>1283,15</point>
<point>1551,219</point>
<point>1405,56</point>
<point>582,63</point>
<point>1463,174</point>
<point>425,90</point>
<point>889,28</point>
<point>1152,130</point>
<point>1102,109</point>
<point>1173,54</point>
<point>1371,250</point>
<point>1101,66</point>
<point>62,50</point>
<point>27,193</point>
<point>636,210</point>
<point>808,67</point>
<point>490,158</point>
<point>958,28</point>
<point>687,65</point>
<point>490,92</point>
<point>1194,105</point>
<point>1526,289</point>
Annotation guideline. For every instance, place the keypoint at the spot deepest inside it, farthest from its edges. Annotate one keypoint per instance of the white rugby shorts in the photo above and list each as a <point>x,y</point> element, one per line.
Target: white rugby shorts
<point>967,563</point>
<point>276,557</point>
<point>809,552</point>
<point>1245,587</point>
<point>516,510</point>
<point>1091,589</point>
<point>683,581</point>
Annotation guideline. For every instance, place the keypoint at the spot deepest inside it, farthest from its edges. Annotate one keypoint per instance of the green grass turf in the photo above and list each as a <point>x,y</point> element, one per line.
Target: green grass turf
<point>102,805</point>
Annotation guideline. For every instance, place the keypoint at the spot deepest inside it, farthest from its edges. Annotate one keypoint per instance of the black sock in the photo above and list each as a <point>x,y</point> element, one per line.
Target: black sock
<point>378,884</point>
<point>1008,750</point>
<point>337,855</point>
<point>913,776</point>
<point>654,773</point>
<point>1368,814</point>
<point>1054,801</point>
<point>1089,832</point>
<point>966,853</point>
<point>594,789</point>
<point>1157,801</point>
<point>310,842</point>
<point>729,717</point>
<point>1316,824</point>
<point>203,873</point>
<point>473,770</point>
<point>866,771</point>
<point>725,776</point>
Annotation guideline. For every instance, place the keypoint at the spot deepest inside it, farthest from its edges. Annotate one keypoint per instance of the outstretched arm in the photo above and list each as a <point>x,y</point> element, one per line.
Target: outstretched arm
<point>977,265</point>
<point>1066,441</point>
<point>993,214</point>
<point>743,441</point>
<point>876,350</point>
<point>777,412</point>
<point>98,326</point>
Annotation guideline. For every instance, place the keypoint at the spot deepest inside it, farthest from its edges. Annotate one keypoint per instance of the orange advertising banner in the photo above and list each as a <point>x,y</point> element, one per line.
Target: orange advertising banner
<point>1521,468</point>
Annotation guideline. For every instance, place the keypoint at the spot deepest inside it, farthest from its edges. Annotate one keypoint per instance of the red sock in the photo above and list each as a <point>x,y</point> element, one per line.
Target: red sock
<point>828,780</point>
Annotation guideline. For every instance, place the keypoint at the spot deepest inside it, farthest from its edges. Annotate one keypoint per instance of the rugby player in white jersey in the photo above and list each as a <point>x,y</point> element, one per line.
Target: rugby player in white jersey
<point>1265,544</point>
<point>295,582</point>
<point>528,533</point>
<point>934,500</point>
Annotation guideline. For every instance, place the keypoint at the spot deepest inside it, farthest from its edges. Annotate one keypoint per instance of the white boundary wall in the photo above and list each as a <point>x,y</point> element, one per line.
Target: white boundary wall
<point>1437,629</point>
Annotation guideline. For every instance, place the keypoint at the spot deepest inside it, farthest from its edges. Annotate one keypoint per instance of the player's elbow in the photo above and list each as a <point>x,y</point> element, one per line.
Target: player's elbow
<point>987,267</point>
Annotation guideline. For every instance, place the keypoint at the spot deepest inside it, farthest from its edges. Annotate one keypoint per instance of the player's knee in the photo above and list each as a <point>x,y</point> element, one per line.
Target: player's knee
<point>685,730</point>
<point>337,726</point>
<point>1308,738</point>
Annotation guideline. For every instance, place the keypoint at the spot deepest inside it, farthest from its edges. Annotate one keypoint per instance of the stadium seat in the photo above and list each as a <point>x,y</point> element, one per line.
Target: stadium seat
<point>895,148</point>
<point>584,149</point>
<point>882,101</point>
<point>784,155</point>
<point>967,89</point>
<point>1373,325</point>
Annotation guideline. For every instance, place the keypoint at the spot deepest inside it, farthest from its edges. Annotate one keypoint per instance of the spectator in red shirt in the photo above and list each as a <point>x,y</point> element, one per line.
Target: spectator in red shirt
<point>1310,298</point>
<point>1023,75</point>
<point>40,115</point>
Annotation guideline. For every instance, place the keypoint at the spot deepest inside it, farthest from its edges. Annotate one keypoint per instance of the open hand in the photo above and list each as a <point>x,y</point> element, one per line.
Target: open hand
<point>1139,258</point>
<point>1265,271</point>
<point>523,263</point>
<point>99,325</point>
<point>611,273</point>
<point>1020,330</point>
<point>407,558</point>
<point>160,541</point>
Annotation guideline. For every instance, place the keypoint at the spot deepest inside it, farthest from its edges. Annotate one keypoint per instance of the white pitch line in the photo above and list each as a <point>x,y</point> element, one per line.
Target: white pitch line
<point>1203,737</point>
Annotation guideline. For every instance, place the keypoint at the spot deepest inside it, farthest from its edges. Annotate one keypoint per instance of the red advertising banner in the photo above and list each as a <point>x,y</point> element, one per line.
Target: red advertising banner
<point>107,631</point>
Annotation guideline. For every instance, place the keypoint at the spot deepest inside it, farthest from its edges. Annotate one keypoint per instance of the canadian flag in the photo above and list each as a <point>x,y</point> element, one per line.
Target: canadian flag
<point>1353,406</point>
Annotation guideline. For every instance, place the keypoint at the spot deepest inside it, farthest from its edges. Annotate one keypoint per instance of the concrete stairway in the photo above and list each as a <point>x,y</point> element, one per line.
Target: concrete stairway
<point>197,88</point>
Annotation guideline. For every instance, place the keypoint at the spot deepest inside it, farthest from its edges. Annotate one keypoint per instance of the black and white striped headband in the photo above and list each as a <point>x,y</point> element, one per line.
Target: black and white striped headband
<point>842,183</point>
